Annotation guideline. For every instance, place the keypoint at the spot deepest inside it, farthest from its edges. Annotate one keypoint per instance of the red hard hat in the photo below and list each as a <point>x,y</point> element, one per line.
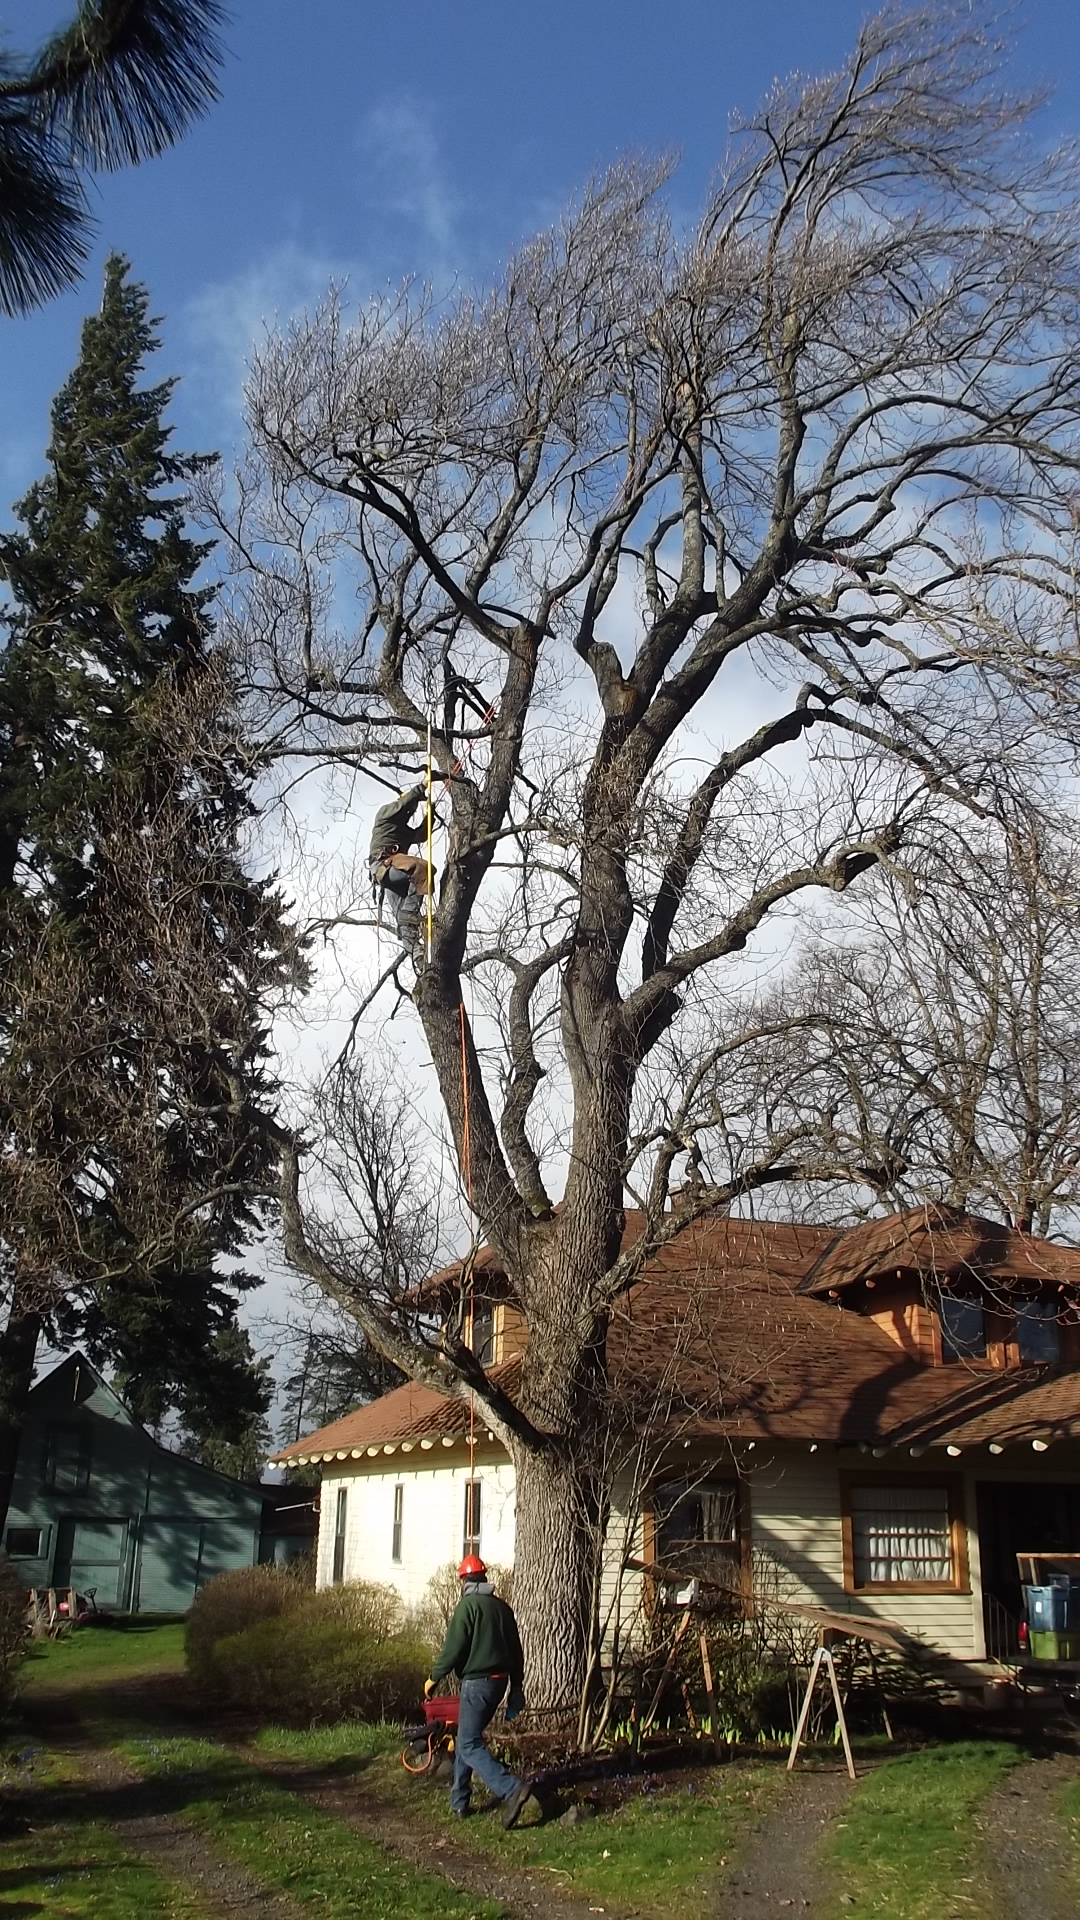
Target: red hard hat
<point>471,1568</point>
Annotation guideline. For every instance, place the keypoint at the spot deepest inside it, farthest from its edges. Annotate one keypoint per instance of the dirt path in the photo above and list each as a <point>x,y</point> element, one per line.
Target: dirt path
<point>112,1792</point>
<point>1024,1843</point>
<point>524,1893</point>
<point>776,1875</point>
<point>134,1808</point>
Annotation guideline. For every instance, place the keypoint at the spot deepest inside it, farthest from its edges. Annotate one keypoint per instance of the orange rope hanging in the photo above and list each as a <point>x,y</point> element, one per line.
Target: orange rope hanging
<point>466,1170</point>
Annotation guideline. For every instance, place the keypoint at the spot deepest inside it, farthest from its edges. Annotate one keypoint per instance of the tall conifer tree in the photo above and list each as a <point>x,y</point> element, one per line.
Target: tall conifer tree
<point>141,959</point>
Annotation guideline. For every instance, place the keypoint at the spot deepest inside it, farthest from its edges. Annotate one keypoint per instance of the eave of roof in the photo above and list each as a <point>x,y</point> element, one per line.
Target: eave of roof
<point>408,1417</point>
<point>721,1316</point>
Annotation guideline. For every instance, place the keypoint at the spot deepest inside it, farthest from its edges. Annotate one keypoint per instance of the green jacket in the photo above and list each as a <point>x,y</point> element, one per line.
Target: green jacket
<point>482,1638</point>
<point>390,829</point>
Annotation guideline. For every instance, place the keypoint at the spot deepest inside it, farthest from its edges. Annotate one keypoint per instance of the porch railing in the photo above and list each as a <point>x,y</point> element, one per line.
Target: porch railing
<point>1002,1630</point>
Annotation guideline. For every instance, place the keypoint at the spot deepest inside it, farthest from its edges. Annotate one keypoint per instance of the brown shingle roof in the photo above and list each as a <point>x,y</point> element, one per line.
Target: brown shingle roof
<point>941,1240</point>
<point>720,1338</point>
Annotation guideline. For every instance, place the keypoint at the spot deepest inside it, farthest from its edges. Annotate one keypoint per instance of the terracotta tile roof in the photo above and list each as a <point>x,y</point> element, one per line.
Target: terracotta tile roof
<point>720,1338</point>
<point>409,1412</point>
<point>941,1240</point>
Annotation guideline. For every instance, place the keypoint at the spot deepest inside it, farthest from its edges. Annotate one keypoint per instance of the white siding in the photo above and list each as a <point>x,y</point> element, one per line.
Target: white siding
<point>432,1519</point>
<point>795,1509</point>
<point>795,1517</point>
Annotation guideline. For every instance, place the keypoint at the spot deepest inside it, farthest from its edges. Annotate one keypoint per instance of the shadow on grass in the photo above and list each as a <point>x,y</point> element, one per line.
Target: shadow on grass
<point>173,1794</point>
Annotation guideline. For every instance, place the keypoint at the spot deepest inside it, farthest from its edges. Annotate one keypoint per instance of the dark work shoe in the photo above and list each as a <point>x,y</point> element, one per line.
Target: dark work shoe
<point>515,1803</point>
<point>461,1813</point>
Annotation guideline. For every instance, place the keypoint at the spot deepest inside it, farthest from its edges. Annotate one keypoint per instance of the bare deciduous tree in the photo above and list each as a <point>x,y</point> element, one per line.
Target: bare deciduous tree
<point>934,1045</point>
<point>717,568</point>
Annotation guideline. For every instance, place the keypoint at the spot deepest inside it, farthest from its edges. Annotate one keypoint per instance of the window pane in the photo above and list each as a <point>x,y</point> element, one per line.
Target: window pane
<point>963,1336</point>
<point>399,1504</point>
<point>471,1531</point>
<point>482,1333</point>
<point>25,1540</point>
<point>900,1534</point>
<point>697,1529</point>
<point>340,1519</point>
<point>67,1459</point>
<point>1038,1335</point>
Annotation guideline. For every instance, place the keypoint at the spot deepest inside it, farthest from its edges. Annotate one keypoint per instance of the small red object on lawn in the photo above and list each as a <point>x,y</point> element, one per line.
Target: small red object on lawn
<point>444,1710</point>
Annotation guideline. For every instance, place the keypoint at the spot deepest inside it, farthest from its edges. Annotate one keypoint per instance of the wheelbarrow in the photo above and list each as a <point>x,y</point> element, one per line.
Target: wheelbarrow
<point>427,1744</point>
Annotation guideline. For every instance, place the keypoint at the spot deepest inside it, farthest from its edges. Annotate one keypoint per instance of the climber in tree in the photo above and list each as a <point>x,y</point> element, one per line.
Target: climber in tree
<point>397,871</point>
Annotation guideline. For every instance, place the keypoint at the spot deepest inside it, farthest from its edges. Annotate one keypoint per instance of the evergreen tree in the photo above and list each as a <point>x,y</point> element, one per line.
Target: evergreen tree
<point>120,83</point>
<point>141,959</point>
<point>209,1430</point>
<point>334,1373</point>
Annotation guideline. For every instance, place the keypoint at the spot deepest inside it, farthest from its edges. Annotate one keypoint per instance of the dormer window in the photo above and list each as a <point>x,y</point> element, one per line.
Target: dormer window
<point>963,1331</point>
<point>1038,1331</point>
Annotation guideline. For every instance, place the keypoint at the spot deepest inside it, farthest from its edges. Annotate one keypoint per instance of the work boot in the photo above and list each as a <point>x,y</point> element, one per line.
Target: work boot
<point>516,1802</point>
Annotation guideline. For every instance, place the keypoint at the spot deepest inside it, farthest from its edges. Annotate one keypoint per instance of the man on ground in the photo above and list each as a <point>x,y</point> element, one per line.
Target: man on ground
<point>483,1648</point>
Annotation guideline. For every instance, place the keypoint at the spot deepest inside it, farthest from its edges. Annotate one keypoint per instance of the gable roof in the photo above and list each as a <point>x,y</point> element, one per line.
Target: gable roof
<point>90,1390</point>
<point>720,1338</point>
<point>86,1384</point>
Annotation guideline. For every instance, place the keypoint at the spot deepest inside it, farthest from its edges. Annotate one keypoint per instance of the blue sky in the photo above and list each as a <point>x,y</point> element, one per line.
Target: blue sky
<point>421,136</point>
<point>416,135</point>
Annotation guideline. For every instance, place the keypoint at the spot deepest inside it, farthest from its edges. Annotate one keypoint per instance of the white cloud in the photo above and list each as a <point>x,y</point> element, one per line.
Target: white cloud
<point>223,323</point>
<point>406,179</point>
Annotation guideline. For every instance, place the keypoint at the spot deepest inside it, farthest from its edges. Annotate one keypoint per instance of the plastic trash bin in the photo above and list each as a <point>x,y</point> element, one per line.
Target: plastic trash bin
<point>1054,1607</point>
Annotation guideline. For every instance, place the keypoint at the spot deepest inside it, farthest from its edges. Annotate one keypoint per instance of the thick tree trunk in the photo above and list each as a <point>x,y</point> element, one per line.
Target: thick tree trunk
<point>18,1348</point>
<point>561,1485</point>
<point>558,1528</point>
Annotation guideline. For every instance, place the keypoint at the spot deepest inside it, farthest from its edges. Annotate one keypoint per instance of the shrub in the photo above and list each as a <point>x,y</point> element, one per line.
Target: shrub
<point>432,1617</point>
<point>270,1646</point>
<point>231,1602</point>
<point>363,1606</point>
<point>300,1670</point>
<point>14,1640</point>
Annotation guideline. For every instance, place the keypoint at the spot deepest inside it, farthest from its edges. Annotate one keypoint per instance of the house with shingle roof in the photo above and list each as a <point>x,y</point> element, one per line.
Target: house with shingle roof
<point>889,1414</point>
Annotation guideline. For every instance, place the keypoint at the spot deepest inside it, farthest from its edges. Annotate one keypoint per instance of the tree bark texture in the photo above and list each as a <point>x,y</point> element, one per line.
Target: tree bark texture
<point>557,1540</point>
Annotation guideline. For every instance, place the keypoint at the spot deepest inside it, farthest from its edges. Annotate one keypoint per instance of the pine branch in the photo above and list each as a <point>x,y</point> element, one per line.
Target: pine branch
<point>125,80</point>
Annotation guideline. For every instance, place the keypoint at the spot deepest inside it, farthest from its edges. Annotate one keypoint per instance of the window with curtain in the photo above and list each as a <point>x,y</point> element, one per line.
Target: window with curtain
<point>697,1529</point>
<point>901,1536</point>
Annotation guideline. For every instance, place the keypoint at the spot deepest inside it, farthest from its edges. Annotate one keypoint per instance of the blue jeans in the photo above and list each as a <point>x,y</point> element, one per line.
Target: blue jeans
<point>479,1704</point>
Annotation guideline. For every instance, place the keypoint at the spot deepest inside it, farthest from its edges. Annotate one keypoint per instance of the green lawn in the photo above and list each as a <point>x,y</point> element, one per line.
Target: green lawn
<point>290,1845</point>
<point>906,1846</point>
<point>655,1853</point>
<point>68,1865</point>
<point>92,1657</point>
